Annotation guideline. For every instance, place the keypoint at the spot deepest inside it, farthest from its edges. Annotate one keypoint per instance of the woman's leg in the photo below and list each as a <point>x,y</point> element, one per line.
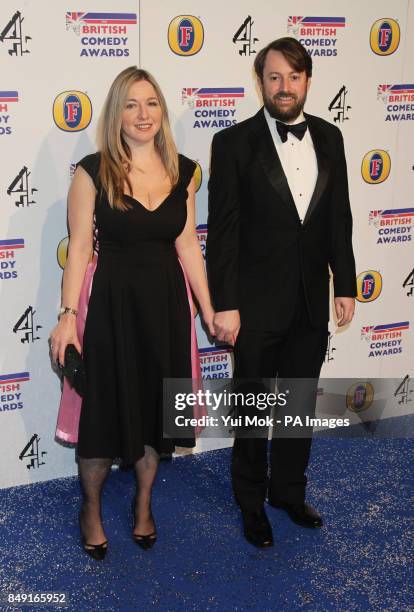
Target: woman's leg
<point>92,474</point>
<point>145,472</point>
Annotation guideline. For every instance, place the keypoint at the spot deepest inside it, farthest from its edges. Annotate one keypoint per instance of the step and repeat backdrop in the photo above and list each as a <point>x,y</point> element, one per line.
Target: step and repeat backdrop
<point>57,62</point>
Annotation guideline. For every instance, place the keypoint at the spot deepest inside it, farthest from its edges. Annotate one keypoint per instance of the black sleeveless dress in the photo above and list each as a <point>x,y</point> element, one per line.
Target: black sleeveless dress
<point>138,326</point>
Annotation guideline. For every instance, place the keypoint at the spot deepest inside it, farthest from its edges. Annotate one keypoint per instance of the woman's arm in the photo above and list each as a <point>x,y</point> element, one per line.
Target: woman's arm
<point>189,252</point>
<point>81,204</point>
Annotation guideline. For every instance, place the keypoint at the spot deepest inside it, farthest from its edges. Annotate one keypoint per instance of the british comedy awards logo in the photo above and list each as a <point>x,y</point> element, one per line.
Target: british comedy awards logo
<point>398,101</point>
<point>215,362</point>
<point>385,340</point>
<point>72,111</point>
<point>393,226</point>
<point>319,35</point>
<point>7,100</point>
<point>202,237</point>
<point>369,286</point>
<point>102,34</point>
<point>8,261</point>
<point>384,37</point>
<point>376,166</point>
<point>11,397</point>
<point>212,107</point>
<point>185,35</point>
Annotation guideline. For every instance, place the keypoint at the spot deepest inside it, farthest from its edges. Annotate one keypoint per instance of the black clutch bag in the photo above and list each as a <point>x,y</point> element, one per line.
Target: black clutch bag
<point>74,369</point>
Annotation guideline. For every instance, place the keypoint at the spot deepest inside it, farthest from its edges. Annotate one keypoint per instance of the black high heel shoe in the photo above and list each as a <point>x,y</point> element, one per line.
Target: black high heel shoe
<point>145,541</point>
<point>96,551</point>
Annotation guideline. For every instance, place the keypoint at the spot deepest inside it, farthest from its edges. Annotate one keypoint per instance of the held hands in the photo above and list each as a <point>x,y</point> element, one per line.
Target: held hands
<point>227,326</point>
<point>344,308</point>
<point>63,334</point>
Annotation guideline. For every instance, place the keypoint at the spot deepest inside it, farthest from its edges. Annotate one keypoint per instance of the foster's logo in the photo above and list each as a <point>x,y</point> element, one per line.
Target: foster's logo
<point>369,286</point>
<point>198,176</point>
<point>62,252</point>
<point>185,35</point>
<point>72,111</point>
<point>376,166</point>
<point>360,396</point>
<point>385,36</point>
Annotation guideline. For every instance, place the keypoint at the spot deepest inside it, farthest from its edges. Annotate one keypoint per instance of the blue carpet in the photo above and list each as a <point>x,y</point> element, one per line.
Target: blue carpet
<point>360,560</point>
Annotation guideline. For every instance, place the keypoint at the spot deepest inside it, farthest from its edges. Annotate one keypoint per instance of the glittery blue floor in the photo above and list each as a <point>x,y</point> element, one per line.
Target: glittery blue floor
<point>360,560</point>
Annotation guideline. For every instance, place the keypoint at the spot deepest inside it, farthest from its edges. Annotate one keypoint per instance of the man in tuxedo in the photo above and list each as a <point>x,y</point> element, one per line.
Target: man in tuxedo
<point>279,217</point>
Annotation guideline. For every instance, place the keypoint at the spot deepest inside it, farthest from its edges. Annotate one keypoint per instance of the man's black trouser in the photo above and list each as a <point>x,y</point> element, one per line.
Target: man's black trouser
<point>297,352</point>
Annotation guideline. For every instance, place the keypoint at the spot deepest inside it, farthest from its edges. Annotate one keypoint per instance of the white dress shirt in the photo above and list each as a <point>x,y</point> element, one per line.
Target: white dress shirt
<point>298,161</point>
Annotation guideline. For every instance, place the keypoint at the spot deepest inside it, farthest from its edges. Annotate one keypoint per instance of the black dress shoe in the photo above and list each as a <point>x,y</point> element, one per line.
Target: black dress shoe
<point>257,529</point>
<point>301,514</point>
<point>145,541</point>
<point>96,551</point>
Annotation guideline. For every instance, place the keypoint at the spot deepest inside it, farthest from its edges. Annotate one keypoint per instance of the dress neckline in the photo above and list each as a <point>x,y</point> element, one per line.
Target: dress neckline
<point>153,210</point>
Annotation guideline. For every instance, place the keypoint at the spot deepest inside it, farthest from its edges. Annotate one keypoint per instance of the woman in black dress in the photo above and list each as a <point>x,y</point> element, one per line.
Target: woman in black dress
<point>139,194</point>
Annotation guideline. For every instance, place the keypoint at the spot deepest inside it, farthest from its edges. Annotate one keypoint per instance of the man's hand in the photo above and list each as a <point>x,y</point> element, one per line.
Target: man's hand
<point>344,308</point>
<point>227,325</point>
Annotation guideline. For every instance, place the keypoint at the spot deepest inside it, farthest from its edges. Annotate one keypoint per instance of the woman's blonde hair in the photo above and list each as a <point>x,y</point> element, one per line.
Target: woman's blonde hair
<point>115,152</point>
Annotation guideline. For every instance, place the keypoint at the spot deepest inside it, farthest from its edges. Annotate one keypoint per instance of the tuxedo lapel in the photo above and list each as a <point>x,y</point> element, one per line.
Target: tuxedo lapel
<point>262,144</point>
<point>322,157</point>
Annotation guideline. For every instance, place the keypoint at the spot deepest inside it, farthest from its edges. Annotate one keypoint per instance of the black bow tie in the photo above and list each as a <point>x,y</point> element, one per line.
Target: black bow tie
<point>298,129</point>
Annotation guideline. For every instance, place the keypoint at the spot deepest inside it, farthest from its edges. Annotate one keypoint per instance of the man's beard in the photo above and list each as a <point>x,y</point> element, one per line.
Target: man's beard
<point>284,114</point>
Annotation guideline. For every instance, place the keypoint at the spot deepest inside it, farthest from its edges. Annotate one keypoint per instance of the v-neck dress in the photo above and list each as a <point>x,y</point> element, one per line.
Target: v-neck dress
<point>138,326</point>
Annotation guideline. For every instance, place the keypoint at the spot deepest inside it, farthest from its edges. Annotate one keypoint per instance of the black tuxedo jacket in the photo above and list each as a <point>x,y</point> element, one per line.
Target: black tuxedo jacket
<point>258,251</point>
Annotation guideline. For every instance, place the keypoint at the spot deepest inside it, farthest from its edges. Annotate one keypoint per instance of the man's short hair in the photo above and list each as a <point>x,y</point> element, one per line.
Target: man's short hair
<point>293,52</point>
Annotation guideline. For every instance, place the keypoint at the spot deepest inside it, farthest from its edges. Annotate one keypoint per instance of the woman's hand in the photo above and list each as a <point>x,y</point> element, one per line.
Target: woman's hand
<point>63,334</point>
<point>208,318</point>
